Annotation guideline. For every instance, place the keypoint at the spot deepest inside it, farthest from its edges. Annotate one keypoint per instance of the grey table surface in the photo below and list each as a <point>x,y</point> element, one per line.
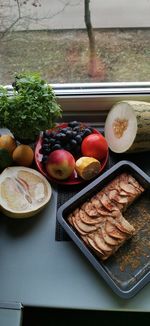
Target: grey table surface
<point>37,270</point>
<point>10,317</point>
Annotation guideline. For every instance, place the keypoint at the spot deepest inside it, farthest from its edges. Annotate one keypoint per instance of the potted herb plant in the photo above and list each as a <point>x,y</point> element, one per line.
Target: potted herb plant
<point>31,108</point>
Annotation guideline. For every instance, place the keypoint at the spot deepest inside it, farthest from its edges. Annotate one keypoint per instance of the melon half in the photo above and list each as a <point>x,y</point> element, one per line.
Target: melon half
<point>127,127</point>
<point>23,192</point>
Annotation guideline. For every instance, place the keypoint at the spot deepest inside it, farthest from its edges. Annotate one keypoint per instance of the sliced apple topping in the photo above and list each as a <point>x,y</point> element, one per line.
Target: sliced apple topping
<point>99,221</point>
<point>85,218</point>
<point>94,246</point>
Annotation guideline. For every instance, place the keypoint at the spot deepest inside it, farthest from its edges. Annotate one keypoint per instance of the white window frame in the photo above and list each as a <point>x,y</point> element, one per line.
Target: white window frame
<point>92,101</point>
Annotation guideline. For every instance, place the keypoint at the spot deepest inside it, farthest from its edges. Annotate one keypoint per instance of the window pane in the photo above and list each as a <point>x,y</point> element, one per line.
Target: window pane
<point>51,37</point>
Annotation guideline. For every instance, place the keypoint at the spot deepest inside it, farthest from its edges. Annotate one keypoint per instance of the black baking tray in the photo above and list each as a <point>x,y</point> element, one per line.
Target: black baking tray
<point>128,270</point>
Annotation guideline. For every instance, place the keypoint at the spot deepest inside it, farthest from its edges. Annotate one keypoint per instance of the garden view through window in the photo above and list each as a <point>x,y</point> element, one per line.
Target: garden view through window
<point>75,41</point>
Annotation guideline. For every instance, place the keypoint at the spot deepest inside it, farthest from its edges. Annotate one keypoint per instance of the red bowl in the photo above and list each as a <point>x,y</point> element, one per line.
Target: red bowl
<point>74,178</point>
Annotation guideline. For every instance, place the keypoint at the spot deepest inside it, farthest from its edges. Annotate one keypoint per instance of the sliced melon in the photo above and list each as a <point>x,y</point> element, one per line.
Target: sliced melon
<point>127,127</point>
<point>23,192</point>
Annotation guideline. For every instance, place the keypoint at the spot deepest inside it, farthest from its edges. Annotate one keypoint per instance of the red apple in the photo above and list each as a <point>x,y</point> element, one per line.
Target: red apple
<point>60,164</point>
<point>94,145</point>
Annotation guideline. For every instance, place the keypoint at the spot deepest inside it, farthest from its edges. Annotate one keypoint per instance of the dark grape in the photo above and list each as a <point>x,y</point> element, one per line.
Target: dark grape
<point>73,143</point>
<point>52,141</point>
<point>45,146</point>
<point>44,158</point>
<point>86,132</point>
<point>78,138</point>
<point>82,134</point>
<point>45,133</point>
<point>46,140</point>
<point>56,146</point>
<point>52,134</point>
<point>60,136</point>
<point>64,130</point>
<point>63,139</point>
<point>69,134</point>
<point>68,147</point>
<point>77,128</point>
<point>68,138</point>
<point>74,133</point>
<point>73,124</point>
<point>47,151</point>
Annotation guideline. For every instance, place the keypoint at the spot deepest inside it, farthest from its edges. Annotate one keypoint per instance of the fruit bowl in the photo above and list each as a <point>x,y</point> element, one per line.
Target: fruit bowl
<point>74,178</point>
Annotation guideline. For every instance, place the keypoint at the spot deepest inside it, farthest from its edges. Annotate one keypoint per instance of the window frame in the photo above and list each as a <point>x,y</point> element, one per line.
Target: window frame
<point>92,101</point>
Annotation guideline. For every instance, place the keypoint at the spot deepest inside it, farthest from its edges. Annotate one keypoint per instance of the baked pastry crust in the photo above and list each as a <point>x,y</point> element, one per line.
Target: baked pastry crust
<point>99,221</point>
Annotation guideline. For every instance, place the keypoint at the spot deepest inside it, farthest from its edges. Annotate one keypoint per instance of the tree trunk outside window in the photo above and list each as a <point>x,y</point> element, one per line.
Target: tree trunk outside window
<point>95,66</point>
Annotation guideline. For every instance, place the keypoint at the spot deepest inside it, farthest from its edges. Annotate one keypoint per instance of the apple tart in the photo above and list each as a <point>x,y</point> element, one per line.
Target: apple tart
<point>100,221</point>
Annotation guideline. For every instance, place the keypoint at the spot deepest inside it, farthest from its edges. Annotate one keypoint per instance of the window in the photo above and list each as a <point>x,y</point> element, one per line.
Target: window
<point>51,37</point>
